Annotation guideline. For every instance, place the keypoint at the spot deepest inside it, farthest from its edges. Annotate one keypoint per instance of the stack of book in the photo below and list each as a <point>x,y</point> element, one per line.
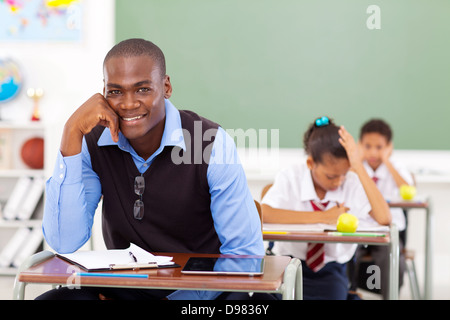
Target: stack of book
<point>20,206</point>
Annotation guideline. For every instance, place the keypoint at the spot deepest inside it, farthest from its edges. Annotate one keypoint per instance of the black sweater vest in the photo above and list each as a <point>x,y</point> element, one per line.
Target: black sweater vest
<point>176,199</point>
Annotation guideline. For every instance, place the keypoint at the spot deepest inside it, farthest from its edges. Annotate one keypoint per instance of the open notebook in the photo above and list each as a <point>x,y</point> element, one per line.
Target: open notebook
<point>133,257</point>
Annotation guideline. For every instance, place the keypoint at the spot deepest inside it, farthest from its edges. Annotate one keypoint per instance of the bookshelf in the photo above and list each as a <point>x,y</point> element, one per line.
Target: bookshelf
<point>21,192</point>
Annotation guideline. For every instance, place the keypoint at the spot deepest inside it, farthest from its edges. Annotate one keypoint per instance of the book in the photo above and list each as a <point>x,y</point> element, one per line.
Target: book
<point>31,244</point>
<point>33,195</point>
<point>16,198</point>
<point>133,257</point>
<point>13,246</point>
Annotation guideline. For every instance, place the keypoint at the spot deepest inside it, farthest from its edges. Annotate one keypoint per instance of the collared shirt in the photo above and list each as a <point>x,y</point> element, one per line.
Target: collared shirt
<point>74,191</point>
<point>388,187</point>
<point>293,189</point>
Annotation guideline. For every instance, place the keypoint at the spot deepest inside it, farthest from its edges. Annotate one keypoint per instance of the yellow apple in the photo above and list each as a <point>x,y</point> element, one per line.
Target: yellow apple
<point>407,192</point>
<point>347,223</point>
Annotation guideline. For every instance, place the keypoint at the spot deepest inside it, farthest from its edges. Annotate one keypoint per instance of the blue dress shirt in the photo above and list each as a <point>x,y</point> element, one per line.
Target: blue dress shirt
<point>74,191</point>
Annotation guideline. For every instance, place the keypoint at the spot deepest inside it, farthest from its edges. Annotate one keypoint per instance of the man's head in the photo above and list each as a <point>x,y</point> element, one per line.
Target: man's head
<point>135,86</point>
<point>138,47</point>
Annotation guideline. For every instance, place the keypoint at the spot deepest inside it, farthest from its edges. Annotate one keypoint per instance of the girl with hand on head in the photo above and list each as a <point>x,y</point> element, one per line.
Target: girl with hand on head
<point>324,183</point>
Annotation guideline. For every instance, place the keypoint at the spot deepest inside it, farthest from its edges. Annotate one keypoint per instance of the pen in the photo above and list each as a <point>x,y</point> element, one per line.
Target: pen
<point>132,256</point>
<point>275,232</point>
<point>134,266</point>
<point>356,234</point>
<point>111,275</point>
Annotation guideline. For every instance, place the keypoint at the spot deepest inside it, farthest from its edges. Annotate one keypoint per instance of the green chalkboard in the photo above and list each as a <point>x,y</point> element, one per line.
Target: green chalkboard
<point>278,64</point>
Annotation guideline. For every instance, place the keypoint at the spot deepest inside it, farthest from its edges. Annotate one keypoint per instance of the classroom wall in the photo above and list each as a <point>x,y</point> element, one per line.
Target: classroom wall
<point>405,68</point>
<point>279,64</point>
<point>69,72</point>
<point>265,64</point>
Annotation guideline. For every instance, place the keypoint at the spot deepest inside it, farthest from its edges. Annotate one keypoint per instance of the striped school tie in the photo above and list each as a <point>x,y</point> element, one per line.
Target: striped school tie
<point>315,252</point>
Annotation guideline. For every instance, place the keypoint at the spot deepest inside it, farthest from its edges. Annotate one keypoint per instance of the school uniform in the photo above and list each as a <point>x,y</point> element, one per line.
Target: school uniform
<point>293,189</point>
<point>388,188</point>
<point>380,254</point>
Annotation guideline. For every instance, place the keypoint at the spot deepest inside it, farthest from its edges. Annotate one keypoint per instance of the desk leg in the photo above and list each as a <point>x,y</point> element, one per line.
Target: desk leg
<point>292,280</point>
<point>19,287</point>
<point>428,254</point>
<point>299,282</point>
<point>394,264</point>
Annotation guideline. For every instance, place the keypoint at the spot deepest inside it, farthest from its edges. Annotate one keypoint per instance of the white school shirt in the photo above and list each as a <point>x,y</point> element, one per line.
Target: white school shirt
<point>293,189</point>
<point>388,188</point>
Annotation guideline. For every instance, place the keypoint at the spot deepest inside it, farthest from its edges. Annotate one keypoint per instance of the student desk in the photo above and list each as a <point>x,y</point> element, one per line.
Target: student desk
<point>281,275</point>
<point>426,206</point>
<point>390,239</point>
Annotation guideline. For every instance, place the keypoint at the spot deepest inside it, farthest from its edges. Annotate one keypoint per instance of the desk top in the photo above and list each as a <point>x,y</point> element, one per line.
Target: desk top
<point>58,271</point>
<point>305,236</point>
<point>409,204</point>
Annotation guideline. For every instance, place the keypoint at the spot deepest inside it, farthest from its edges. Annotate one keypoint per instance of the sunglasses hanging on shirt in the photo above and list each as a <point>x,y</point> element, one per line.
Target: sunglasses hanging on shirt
<point>139,187</point>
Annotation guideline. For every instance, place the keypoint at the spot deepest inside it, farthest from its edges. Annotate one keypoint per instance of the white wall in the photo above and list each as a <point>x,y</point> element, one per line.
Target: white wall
<point>68,72</point>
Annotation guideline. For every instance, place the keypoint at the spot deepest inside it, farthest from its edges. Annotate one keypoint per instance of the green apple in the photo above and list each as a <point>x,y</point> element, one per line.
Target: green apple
<point>407,192</point>
<point>347,223</point>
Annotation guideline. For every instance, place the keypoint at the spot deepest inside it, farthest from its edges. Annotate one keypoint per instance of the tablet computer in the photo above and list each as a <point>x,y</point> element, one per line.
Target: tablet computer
<point>247,266</point>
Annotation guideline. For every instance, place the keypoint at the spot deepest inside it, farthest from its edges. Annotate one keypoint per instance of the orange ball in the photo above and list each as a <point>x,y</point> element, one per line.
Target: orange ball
<point>32,153</point>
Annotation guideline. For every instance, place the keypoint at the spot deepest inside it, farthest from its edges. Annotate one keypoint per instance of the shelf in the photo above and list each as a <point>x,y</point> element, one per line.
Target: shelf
<point>22,192</point>
<point>20,223</point>
<point>25,125</point>
<point>15,173</point>
<point>8,271</point>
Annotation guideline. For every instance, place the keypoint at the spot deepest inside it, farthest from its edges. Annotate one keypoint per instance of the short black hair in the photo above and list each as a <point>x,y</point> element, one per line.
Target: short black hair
<point>136,47</point>
<point>377,126</point>
<point>319,141</point>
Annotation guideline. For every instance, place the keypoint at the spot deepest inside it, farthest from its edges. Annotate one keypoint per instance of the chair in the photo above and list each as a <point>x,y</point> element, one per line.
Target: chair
<point>258,207</point>
<point>265,189</point>
<point>271,243</point>
<point>410,267</point>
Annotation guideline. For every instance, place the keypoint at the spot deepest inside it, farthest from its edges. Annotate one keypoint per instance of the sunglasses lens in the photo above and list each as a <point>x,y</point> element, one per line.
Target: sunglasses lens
<point>139,185</point>
<point>138,209</point>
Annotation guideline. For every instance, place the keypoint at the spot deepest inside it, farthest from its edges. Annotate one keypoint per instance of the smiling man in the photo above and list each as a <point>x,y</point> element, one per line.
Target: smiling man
<point>119,145</point>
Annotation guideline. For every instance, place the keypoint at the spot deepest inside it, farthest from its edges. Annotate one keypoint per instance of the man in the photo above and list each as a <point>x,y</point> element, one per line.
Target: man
<point>170,179</point>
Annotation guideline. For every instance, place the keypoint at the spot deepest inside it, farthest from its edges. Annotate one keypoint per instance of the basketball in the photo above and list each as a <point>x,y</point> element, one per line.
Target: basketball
<point>32,153</point>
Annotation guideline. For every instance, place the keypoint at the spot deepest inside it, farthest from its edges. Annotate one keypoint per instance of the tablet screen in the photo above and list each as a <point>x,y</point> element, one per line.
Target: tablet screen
<point>225,266</point>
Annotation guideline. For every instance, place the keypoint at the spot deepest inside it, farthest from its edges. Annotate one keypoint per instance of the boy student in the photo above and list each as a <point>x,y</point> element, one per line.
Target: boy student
<point>126,145</point>
<point>318,191</point>
<point>375,142</point>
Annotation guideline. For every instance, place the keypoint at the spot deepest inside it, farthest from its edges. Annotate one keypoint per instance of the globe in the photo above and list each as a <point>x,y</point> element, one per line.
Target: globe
<point>10,80</point>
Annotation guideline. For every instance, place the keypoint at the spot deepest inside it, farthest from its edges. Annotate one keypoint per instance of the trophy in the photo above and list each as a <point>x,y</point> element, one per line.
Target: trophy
<point>36,95</point>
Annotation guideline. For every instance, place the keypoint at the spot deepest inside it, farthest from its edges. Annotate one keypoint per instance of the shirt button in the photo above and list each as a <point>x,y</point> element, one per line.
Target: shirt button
<point>145,164</point>
<point>61,176</point>
<point>61,166</point>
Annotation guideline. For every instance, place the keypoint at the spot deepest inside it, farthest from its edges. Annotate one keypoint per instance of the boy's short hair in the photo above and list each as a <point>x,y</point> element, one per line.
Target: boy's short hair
<point>377,126</point>
<point>136,47</point>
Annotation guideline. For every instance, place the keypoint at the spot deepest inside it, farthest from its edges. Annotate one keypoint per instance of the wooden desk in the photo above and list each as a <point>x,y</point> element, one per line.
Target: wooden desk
<point>391,239</point>
<point>280,276</point>
<point>426,206</point>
